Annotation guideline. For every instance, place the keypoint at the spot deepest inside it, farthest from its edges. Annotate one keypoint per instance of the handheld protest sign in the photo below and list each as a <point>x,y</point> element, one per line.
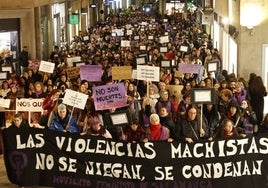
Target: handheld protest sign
<point>202,96</point>
<point>189,68</point>
<point>91,73</point>
<point>74,99</point>
<point>165,63</point>
<point>70,60</point>
<point>4,75</point>
<point>148,73</point>
<point>141,60</point>
<point>118,118</point>
<point>5,103</point>
<point>46,66</point>
<point>212,66</point>
<point>109,96</point>
<point>163,49</point>
<point>7,68</point>
<point>122,73</point>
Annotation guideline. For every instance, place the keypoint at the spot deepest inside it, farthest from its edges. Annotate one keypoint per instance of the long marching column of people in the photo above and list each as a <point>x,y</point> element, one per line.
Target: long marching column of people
<point>158,110</point>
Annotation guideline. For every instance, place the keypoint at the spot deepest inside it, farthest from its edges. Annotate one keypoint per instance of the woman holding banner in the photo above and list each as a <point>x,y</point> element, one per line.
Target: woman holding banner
<point>63,121</point>
<point>19,122</point>
<point>95,128</point>
<point>155,131</point>
<point>228,130</point>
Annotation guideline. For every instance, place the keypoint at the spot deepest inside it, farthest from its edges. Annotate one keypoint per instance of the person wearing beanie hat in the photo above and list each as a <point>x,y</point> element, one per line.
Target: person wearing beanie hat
<point>13,85</point>
<point>95,128</point>
<point>63,121</point>
<point>14,94</point>
<point>133,132</point>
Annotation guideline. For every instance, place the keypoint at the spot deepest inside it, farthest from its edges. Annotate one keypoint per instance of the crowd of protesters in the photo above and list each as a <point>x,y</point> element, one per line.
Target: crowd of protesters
<point>156,114</point>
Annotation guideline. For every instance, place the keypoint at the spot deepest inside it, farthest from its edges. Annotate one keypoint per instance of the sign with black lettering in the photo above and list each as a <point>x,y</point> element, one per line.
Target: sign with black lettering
<point>148,73</point>
<point>109,96</point>
<point>75,99</point>
<point>46,66</point>
<point>31,105</point>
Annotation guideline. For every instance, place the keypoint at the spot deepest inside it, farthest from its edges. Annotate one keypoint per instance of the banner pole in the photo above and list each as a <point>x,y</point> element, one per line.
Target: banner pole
<point>201,118</point>
<point>68,124</point>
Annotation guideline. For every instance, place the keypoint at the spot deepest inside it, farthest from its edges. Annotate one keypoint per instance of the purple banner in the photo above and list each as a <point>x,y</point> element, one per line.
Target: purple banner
<point>91,73</point>
<point>109,96</point>
<point>189,68</point>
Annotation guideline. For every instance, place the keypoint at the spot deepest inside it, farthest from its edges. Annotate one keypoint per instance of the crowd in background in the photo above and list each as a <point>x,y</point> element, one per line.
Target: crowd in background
<point>156,114</point>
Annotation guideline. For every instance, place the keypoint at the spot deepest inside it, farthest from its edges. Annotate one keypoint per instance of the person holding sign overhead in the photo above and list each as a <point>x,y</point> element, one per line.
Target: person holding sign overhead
<point>63,121</point>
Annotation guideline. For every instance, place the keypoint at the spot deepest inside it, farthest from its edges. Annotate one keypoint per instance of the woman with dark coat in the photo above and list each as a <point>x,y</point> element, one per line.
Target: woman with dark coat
<point>234,114</point>
<point>189,128</point>
<point>213,117</point>
<point>257,92</point>
<point>133,132</point>
<point>166,120</point>
<point>249,117</point>
<point>19,122</point>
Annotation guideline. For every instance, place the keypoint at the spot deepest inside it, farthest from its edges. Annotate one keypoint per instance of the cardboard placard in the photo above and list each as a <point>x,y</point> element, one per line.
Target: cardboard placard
<point>122,73</point>
<point>73,72</point>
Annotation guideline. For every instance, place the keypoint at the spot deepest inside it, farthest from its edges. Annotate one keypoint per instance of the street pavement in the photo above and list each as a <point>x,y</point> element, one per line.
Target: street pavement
<point>4,182</point>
